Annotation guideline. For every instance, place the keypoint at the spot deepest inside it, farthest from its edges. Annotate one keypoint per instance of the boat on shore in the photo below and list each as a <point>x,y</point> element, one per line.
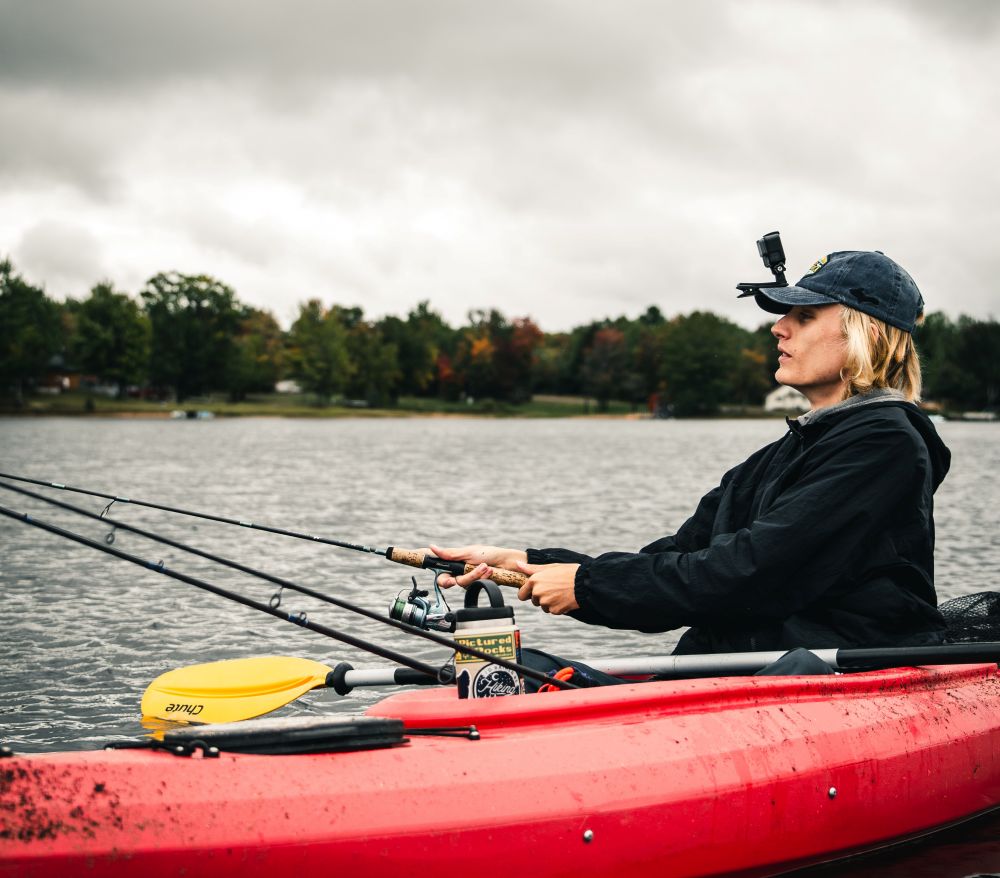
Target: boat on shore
<point>696,777</point>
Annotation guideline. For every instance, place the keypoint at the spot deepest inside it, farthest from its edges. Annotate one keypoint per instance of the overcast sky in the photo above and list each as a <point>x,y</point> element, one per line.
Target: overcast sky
<point>561,159</point>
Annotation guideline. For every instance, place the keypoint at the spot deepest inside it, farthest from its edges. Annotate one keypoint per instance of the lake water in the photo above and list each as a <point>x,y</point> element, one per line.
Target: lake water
<point>84,633</point>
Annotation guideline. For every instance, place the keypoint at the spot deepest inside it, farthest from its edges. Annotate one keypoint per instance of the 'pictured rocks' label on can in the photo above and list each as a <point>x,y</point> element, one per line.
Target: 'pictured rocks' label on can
<point>505,645</point>
<point>480,678</point>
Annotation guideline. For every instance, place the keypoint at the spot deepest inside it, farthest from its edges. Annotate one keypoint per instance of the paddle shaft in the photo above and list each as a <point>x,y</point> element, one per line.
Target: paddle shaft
<point>343,678</point>
<point>739,663</point>
<point>720,665</point>
<point>410,557</point>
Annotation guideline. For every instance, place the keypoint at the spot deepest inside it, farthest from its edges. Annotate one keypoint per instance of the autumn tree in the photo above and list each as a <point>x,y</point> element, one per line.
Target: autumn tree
<point>495,357</point>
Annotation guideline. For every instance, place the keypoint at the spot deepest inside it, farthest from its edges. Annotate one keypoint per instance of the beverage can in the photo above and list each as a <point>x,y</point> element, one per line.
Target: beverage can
<point>492,630</point>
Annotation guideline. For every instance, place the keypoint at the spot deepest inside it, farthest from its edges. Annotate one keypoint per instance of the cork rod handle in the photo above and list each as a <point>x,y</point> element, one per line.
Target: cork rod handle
<point>503,577</point>
<point>406,556</point>
<point>416,558</point>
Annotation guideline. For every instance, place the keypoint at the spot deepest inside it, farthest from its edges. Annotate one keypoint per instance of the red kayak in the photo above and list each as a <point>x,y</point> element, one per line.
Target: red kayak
<point>753,775</point>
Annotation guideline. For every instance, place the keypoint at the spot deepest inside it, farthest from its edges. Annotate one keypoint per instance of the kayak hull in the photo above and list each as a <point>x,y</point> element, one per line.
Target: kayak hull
<point>688,778</point>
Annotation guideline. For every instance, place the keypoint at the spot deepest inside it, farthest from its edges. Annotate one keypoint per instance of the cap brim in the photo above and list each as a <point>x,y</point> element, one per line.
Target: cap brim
<point>781,300</point>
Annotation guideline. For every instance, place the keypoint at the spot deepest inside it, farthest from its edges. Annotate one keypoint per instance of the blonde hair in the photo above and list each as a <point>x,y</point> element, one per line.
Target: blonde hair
<point>878,356</point>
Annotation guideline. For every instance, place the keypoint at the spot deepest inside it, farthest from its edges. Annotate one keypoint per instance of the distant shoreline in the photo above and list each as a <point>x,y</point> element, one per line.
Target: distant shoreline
<point>83,405</point>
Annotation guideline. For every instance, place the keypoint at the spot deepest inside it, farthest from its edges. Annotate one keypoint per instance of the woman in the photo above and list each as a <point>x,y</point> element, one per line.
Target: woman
<point>824,538</point>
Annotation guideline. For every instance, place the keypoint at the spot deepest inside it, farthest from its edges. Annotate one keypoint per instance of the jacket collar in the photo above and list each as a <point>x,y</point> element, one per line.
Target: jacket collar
<point>882,394</point>
<point>818,418</point>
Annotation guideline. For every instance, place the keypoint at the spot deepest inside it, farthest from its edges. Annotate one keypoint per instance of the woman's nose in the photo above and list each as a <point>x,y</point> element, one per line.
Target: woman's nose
<point>779,330</point>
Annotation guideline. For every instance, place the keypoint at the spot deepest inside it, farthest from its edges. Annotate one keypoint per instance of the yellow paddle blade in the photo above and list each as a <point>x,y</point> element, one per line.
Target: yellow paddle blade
<point>220,692</point>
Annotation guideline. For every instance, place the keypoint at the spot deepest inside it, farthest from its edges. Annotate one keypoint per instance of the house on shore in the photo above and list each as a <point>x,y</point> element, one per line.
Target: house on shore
<point>785,399</point>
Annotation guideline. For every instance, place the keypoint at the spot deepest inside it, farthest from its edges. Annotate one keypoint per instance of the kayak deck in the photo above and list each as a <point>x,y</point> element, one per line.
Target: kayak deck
<point>688,778</point>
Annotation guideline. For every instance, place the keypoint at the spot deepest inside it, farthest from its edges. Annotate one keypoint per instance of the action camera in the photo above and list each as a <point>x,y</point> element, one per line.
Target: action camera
<point>770,250</point>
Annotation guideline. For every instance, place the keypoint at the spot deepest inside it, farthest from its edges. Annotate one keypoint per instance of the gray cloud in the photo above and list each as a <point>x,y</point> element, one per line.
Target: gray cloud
<point>567,160</point>
<point>62,253</point>
<point>975,20</point>
<point>561,47</point>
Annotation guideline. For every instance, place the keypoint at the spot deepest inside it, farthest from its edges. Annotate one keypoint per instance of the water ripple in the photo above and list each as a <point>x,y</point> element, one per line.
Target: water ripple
<point>84,634</point>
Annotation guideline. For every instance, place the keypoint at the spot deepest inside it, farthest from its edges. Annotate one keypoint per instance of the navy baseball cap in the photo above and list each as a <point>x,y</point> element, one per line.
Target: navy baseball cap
<point>867,281</point>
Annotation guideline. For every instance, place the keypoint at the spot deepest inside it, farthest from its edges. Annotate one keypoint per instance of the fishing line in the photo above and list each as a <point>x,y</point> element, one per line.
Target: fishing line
<point>272,606</point>
<point>409,557</point>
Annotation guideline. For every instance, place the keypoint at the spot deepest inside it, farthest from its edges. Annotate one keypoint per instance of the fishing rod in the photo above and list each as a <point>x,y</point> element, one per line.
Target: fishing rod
<point>272,607</point>
<point>296,618</point>
<point>410,557</point>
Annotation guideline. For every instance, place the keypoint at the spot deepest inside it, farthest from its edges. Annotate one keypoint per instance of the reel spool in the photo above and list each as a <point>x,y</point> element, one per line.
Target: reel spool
<point>416,609</point>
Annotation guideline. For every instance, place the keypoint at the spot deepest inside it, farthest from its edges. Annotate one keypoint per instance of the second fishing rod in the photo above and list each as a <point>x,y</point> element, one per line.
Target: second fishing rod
<point>274,603</point>
<point>409,557</point>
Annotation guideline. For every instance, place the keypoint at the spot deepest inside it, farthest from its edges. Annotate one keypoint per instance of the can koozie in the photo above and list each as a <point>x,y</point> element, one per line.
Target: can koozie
<point>478,678</point>
<point>490,630</point>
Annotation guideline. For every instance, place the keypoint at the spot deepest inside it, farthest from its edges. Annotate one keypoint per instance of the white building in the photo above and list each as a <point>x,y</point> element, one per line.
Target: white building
<point>785,399</point>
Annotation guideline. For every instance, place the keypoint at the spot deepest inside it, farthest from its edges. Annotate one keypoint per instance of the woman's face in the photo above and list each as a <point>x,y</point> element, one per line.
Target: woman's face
<point>812,352</point>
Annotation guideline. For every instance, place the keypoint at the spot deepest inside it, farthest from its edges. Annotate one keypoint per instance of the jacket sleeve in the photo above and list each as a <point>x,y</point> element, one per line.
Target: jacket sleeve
<point>783,561</point>
<point>556,556</point>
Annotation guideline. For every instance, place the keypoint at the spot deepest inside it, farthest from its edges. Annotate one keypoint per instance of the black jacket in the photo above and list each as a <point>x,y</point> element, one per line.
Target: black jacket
<point>824,538</point>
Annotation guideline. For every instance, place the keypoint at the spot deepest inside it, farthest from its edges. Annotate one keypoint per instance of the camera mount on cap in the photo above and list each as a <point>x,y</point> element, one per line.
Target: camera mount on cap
<point>770,250</point>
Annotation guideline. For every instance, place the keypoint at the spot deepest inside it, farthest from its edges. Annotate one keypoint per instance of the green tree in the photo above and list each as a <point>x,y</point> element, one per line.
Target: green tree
<point>935,340</point>
<point>30,332</point>
<point>255,362</point>
<point>605,367</point>
<point>194,320</point>
<point>646,350</point>
<point>977,355</point>
<point>421,340</point>
<point>547,364</point>
<point>701,356</point>
<point>750,382</point>
<point>374,373</point>
<point>581,338</point>
<point>519,350</point>
<point>652,317</point>
<point>111,337</point>
<point>318,352</point>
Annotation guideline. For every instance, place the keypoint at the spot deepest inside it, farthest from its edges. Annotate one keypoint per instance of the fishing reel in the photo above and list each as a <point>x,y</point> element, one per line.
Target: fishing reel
<point>416,609</point>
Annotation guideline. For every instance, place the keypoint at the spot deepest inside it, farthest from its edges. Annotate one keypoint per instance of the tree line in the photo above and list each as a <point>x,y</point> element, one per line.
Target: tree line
<point>189,335</point>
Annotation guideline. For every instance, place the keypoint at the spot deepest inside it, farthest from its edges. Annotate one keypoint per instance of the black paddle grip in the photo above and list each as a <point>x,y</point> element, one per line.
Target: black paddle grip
<point>336,679</point>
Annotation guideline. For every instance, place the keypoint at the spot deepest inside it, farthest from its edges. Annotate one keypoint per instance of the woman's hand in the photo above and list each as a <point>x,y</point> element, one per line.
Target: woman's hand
<point>485,558</point>
<point>550,586</point>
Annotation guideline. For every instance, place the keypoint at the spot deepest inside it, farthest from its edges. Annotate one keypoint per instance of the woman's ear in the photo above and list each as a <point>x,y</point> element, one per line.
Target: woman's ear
<point>875,331</point>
